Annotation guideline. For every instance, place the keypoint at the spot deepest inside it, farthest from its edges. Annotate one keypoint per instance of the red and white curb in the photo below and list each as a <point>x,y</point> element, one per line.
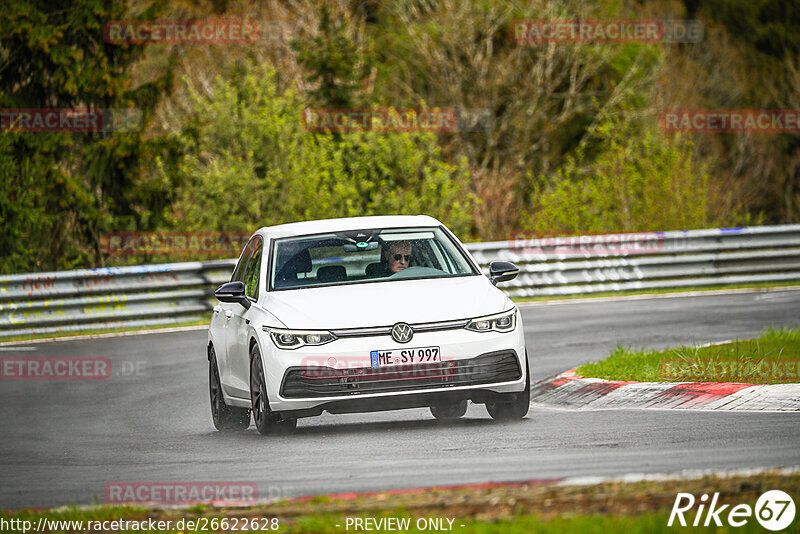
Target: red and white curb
<point>569,390</point>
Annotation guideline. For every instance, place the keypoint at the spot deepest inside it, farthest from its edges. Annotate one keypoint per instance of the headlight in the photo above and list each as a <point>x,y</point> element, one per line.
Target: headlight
<point>294,339</point>
<point>501,322</point>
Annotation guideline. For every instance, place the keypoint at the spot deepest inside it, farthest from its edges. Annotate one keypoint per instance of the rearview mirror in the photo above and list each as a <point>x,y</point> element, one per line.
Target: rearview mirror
<point>232,292</point>
<point>502,271</point>
<point>360,246</point>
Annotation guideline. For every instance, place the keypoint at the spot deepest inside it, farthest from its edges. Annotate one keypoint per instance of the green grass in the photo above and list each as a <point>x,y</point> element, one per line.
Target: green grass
<point>336,523</point>
<point>33,337</point>
<point>771,358</point>
<point>526,524</point>
<point>637,507</point>
<point>665,291</point>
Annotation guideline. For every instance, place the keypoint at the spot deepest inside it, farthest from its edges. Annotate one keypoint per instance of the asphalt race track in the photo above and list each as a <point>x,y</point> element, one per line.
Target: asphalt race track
<point>63,441</point>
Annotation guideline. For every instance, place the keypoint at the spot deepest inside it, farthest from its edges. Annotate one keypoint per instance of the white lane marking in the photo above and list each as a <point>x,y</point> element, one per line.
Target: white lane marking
<point>112,334</point>
<point>687,474</point>
<point>16,349</point>
<point>554,302</point>
<point>715,343</point>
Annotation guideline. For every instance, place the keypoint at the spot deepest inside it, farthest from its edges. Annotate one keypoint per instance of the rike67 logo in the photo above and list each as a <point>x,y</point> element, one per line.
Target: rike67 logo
<point>774,510</point>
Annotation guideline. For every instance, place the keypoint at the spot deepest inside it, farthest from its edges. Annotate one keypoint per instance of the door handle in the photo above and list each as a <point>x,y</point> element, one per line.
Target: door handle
<point>216,310</point>
<point>228,313</point>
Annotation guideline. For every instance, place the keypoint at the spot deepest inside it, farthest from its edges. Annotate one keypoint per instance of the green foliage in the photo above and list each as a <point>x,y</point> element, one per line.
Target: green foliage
<point>62,190</point>
<point>18,217</point>
<point>57,56</point>
<point>249,162</point>
<point>333,62</point>
<point>772,27</point>
<point>640,180</point>
<point>244,159</point>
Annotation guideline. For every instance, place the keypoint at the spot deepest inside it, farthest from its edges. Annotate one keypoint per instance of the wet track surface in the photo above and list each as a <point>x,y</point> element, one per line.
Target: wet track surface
<point>63,441</point>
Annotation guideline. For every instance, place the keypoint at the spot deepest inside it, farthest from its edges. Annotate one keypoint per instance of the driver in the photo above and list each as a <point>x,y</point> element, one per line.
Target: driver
<point>397,255</point>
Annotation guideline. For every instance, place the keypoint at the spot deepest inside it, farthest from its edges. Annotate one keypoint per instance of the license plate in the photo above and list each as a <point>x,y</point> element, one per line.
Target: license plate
<point>380,358</point>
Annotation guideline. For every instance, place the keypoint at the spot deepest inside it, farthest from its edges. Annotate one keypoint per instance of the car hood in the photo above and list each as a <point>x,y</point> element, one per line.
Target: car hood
<point>386,303</point>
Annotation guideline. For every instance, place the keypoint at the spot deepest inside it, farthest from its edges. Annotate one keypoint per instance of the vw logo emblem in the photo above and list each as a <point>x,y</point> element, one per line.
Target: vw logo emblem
<point>402,332</point>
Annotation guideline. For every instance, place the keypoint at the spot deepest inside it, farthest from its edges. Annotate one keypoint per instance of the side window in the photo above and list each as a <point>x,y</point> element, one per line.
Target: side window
<point>238,272</point>
<point>251,274</point>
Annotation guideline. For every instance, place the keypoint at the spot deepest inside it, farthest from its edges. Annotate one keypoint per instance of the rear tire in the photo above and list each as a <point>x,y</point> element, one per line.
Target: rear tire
<point>267,422</point>
<point>512,406</point>
<point>226,418</point>
<point>449,412</point>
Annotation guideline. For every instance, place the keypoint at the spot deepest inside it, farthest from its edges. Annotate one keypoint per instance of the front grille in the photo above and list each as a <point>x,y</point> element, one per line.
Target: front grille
<point>309,382</point>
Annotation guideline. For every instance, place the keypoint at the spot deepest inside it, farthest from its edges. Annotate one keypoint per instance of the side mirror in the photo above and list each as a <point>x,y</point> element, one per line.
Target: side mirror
<point>502,271</point>
<point>232,292</point>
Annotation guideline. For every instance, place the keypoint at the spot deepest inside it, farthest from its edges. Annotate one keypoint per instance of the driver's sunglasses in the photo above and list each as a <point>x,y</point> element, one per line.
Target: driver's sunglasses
<point>406,256</point>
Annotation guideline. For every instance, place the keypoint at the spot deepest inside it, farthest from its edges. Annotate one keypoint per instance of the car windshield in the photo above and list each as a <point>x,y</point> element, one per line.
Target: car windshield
<point>366,256</point>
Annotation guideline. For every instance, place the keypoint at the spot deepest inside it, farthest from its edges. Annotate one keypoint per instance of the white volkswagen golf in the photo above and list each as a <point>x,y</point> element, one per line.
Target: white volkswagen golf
<point>359,315</point>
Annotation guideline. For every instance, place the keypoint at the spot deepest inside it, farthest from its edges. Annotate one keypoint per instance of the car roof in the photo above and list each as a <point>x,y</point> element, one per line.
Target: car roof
<point>348,223</point>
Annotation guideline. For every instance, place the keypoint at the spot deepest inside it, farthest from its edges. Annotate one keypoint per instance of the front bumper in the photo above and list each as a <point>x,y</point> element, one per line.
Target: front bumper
<point>308,382</point>
<point>338,377</point>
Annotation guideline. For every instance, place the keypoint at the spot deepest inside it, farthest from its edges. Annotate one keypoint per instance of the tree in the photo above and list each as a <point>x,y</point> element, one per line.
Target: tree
<point>542,98</point>
<point>334,62</point>
<point>641,180</point>
<point>72,185</point>
<point>248,162</point>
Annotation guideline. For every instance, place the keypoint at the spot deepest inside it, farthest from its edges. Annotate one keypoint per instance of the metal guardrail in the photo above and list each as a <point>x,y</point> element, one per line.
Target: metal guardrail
<point>147,295</point>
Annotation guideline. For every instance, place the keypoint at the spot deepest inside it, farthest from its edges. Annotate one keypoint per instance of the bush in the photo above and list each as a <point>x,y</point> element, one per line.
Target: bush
<point>639,180</point>
<point>249,162</point>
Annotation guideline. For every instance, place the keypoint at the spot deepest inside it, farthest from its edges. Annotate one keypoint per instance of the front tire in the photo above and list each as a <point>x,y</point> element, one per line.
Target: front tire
<point>267,422</point>
<point>449,412</point>
<point>226,418</point>
<point>512,406</point>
